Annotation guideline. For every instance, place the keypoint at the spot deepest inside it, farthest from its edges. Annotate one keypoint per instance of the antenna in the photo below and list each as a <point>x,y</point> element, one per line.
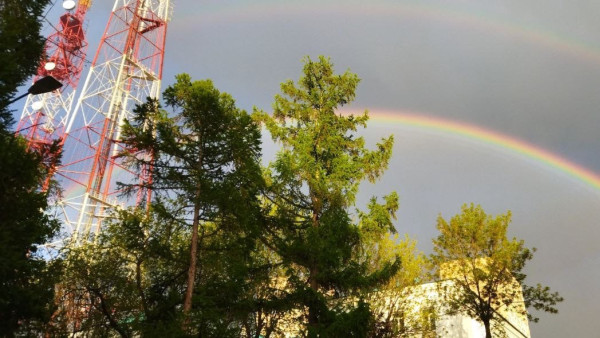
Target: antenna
<point>44,116</point>
<point>127,69</point>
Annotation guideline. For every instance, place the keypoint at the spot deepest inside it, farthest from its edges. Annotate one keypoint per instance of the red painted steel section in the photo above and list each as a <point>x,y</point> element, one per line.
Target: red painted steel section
<point>127,68</point>
<point>66,48</point>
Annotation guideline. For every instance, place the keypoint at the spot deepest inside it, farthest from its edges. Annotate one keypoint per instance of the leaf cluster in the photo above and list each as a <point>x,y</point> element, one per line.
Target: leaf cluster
<point>474,252</point>
<point>22,47</point>
<point>26,278</point>
<point>208,145</point>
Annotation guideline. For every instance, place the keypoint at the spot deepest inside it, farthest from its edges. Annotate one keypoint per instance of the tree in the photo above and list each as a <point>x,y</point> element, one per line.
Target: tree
<point>486,268</point>
<point>26,278</point>
<point>394,314</point>
<point>22,47</point>
<point>312,184</point>
<point>129,281</point>
<point>206,174</point>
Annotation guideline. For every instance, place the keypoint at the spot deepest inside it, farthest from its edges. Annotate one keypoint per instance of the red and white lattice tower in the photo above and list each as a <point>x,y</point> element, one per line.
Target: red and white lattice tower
<point>45,116</point>
<point>126,70</point>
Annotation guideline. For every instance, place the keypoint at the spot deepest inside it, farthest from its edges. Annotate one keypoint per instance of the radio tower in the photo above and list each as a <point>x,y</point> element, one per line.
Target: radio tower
<point>45,116</point>
<point>126,69</point>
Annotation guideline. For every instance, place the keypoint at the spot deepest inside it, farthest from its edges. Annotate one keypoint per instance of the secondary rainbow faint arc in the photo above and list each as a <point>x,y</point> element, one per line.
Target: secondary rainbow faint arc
<point>264,10</point>
<point>490,137</point>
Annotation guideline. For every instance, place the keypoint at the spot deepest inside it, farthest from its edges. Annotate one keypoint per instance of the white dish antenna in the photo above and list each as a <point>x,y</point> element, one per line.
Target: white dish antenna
<point>69,4</point>
<point>37,105</point>
<point>49,65</point>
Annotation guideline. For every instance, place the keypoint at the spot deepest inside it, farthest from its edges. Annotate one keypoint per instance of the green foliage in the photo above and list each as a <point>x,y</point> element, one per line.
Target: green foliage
<point>378,222</point>
<point>474,252</point>
<point>26,278</point>
<point>344,322</point>
<point>312,184</point>
<point>540,298</point>
<point>394,313</point>
<point>205,178</point>
<point>129,280</point>
<point>319,146</point>
<point>22,47</point>
<point>209,145</point>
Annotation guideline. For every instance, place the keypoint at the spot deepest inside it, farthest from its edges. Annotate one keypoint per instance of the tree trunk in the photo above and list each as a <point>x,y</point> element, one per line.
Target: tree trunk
<point>312,277</point>
<point>187,303</point>
<point>488,331</point>
<point>312,282</point>
<point>140,289</point>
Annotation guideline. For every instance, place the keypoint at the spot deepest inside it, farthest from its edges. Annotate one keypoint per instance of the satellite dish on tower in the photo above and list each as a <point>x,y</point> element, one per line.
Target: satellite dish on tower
<point>49,65</point>
<point>68,4</point>
<point>37,105</point>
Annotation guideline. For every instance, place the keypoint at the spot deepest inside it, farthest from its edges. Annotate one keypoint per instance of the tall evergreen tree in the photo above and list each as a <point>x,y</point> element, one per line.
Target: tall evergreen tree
<point>26,278</point>
<point>312,185</point>
<point>205,172</point>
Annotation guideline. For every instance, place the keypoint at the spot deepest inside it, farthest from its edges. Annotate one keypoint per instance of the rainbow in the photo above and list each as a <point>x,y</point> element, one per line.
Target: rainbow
<point>220,12</point>
<point>468,131</point>
<point>493,138</point>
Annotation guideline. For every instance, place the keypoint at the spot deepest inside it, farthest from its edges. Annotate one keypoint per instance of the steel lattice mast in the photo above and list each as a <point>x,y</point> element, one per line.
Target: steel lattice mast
<point>44,117</point>
<point>126,70</point>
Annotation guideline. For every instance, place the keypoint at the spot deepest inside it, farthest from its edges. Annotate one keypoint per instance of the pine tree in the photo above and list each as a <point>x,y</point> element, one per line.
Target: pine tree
<point>312,185</point>
<point>206,173</point>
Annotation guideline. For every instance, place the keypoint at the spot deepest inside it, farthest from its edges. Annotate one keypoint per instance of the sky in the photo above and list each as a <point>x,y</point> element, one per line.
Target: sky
<point>524,71</point>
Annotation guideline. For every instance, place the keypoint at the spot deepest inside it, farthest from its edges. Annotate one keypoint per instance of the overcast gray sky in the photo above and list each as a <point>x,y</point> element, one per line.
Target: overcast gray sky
<point>528,69</point>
